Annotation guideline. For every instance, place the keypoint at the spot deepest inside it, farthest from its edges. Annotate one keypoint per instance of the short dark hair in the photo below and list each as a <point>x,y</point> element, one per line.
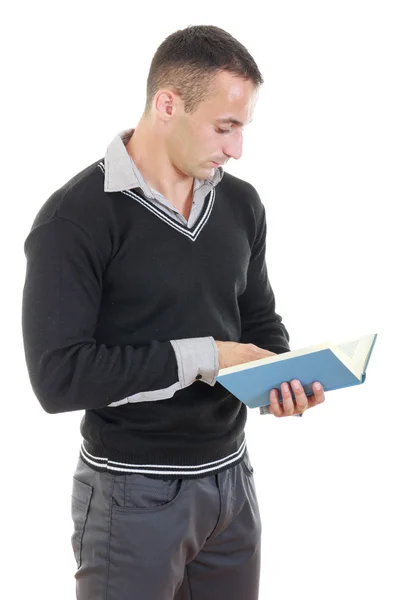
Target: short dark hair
<point>188,60</point>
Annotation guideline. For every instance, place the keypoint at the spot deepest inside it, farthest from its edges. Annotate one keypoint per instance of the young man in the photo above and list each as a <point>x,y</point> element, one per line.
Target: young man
<point>146,274</point>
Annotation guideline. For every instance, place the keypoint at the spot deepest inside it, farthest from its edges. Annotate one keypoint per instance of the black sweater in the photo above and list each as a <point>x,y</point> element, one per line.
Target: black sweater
<point>109,283</point>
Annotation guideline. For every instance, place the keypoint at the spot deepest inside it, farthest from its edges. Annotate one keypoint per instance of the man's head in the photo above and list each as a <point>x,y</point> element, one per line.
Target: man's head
<point>197,76</point>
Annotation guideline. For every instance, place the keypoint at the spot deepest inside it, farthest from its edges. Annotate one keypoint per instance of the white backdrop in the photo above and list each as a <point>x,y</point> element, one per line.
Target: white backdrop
<point>323,153</point>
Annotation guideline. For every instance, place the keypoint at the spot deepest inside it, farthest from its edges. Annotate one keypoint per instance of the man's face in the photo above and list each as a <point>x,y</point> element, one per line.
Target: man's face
<point>195,141</point>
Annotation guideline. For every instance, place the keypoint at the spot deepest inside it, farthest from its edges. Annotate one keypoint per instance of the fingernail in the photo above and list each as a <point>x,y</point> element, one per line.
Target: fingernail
<point>317,386</point>
<point>296,384</point>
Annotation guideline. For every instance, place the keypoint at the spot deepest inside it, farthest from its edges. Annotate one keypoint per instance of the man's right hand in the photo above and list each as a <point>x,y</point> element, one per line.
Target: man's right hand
<point>234,353</point>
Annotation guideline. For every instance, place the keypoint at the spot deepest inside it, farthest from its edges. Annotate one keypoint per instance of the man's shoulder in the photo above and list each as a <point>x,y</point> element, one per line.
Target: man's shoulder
<point>243,191</point>
<point>233,183</point>
<point>87,184</point>
<point>76,197</point>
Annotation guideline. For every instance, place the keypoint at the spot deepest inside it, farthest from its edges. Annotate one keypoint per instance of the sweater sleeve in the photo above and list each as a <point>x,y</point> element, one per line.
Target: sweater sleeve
<point>62,293</point>
<point>261,325</point>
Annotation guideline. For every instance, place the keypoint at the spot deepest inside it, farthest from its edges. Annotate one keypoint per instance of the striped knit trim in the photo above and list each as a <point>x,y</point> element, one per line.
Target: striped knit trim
<point>191,233</point>
<point>120,467</point>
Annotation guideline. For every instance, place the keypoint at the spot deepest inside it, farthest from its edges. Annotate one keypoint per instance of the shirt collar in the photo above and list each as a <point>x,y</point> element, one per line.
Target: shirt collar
<point>122,174</point>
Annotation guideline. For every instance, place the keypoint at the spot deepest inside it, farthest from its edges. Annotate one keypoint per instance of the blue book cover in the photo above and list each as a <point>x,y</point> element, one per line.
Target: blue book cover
<point>334,366</point>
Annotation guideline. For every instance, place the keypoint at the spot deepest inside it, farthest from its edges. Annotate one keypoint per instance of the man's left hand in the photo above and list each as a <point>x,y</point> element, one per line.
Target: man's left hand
<point>301,402</point>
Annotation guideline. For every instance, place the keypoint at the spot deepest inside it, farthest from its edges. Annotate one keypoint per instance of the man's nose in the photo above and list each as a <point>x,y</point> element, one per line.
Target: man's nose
<point>234,146</point>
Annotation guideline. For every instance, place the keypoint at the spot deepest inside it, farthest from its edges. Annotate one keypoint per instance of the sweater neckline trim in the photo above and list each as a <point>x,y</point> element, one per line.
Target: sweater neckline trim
<point>191,232</point>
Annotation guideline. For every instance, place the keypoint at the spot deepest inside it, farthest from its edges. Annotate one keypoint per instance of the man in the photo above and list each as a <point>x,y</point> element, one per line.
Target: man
<point>146,275</point>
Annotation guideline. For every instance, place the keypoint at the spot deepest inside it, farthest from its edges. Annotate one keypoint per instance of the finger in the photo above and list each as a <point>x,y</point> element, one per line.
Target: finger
<point>288,405</point>
<point>319,395</point>
<point>300,396</point>
<point>274,405</point>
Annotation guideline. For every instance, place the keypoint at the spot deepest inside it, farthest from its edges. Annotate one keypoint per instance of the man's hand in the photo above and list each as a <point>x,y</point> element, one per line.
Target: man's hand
<point>231,354</point>
<point>289,407</point>
<point>235,353</point>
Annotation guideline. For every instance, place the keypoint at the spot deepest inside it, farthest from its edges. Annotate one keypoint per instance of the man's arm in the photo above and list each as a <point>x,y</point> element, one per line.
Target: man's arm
<point>261,324</point>
<point>68,370</point>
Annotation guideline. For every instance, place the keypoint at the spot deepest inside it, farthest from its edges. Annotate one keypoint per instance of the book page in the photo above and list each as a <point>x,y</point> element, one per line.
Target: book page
<point>350,348</point>
<point>275,358</point>
<point>357,352</point>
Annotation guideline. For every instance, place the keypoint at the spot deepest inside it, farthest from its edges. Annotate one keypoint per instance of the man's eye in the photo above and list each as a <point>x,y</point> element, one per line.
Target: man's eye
<point>218,130</point>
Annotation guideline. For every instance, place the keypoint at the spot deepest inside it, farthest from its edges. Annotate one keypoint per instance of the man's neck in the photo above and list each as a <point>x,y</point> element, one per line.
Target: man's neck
<point>157,170</point>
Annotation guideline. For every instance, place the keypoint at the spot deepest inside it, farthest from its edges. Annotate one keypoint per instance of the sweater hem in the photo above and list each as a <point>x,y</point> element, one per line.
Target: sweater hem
<point>100,459</point>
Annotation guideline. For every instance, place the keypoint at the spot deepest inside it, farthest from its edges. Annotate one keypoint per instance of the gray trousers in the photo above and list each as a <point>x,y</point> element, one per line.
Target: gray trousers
<point>136,538</point>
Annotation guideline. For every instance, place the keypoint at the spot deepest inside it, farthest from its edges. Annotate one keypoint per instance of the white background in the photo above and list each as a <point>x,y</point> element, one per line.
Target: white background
<point>323,153</point>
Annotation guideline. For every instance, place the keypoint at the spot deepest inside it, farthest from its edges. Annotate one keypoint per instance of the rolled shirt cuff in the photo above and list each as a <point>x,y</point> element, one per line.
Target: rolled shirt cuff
<point>197,359</point>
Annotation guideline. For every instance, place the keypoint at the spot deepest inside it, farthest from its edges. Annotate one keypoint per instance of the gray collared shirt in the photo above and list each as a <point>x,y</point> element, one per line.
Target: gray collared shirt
<point>121,174</point>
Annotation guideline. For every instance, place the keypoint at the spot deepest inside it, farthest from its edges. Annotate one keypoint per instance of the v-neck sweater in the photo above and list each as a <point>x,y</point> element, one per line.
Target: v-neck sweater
<point>113,285</point>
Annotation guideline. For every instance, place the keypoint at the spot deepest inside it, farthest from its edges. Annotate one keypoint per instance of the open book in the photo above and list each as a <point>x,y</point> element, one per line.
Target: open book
<point>334,366</point>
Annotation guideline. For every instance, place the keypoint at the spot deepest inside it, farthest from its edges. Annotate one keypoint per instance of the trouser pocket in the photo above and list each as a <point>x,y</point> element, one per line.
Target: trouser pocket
<point>80,503</point>
<point>137,493</point>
